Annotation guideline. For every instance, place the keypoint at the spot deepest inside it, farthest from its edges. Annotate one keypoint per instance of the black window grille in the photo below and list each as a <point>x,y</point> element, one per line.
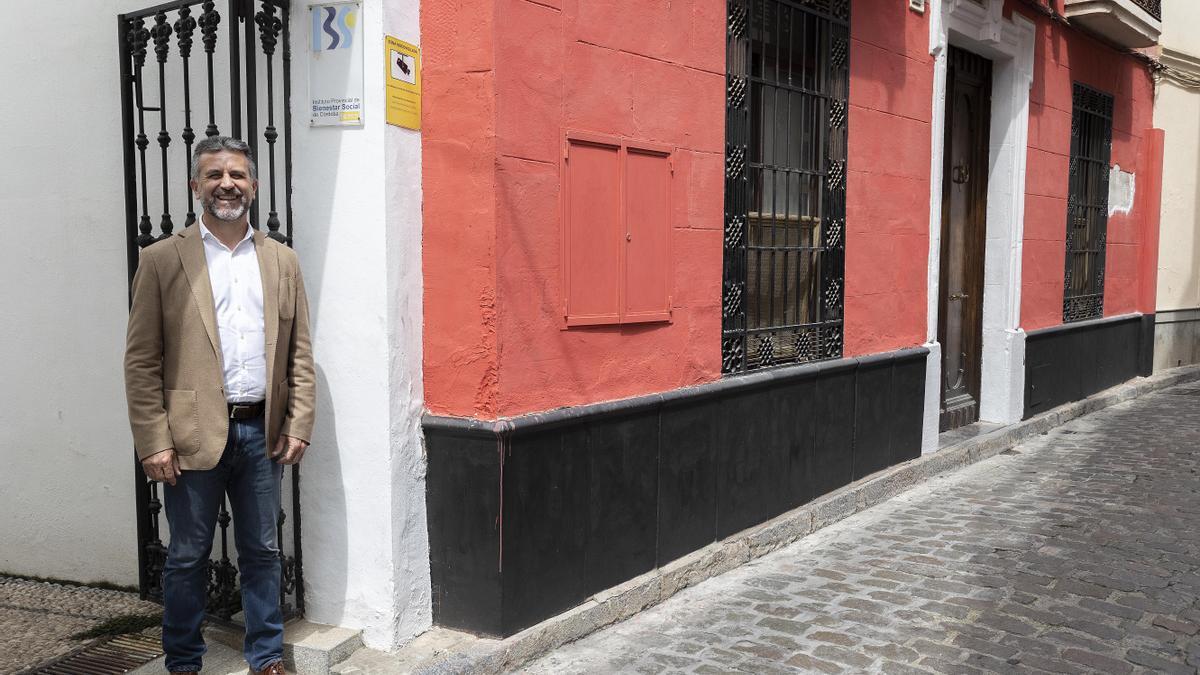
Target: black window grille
<point>785,181</point>
<point>1087,203</point>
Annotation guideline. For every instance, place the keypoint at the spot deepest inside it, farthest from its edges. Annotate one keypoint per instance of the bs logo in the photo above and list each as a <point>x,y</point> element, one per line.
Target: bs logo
<point>333,27</point>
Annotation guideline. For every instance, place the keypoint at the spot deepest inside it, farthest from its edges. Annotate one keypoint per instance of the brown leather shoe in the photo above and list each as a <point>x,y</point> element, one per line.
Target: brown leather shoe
<point>273,669</point>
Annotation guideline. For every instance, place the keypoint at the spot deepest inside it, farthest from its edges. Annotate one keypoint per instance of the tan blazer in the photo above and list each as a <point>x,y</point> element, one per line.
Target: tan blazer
<point>173,372</point>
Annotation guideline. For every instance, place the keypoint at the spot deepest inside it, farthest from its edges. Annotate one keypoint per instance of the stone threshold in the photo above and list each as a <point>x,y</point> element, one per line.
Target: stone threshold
<point>444,651</point>
<point>308,649</point>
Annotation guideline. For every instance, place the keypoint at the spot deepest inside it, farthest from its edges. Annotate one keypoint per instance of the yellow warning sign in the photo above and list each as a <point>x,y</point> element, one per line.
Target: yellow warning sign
<point>403,79</point>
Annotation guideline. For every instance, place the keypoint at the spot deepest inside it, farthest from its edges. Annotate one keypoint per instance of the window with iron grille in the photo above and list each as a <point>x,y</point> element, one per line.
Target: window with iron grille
<point>785,182</point>
<point>1087,203</point>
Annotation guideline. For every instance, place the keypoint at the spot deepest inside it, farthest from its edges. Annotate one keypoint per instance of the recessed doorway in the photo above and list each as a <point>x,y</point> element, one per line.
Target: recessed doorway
<point>964,234</point>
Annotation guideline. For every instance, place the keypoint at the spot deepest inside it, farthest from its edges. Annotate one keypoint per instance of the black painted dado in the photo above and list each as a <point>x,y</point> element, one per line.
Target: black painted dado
<point>1146,346</point>
<point>465,503</point>
<point>530,516</point>
<point>1075,360</point>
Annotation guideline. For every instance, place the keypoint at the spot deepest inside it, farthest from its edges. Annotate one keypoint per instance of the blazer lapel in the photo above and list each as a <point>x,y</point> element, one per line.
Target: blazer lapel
<point>191,253</point>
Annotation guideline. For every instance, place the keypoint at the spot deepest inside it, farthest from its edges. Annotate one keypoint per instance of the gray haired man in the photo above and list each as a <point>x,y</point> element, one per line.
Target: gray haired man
<point>219,381</point>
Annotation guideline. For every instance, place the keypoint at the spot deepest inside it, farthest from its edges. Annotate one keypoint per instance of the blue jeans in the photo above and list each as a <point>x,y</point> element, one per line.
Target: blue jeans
<point>252,481</point>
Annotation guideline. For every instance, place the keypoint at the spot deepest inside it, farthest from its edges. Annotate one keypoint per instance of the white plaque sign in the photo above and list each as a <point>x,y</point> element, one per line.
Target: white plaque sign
<point>335,68</point>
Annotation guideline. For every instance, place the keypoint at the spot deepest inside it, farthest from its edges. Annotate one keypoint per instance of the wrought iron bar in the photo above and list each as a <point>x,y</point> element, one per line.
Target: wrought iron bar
<point>224,599</point>
<point>235,73</point>
<point>287,197</point>
<point>209,20</point>
<point>185,25</point>
<point>141,485</point>
<point>156,553</point>
<point>297,561</point>
<point>269,27</point>
<point>162,47</point>
<point>246,16</point>
<point>279,521</point>
<point>766,352</point>
<point>139,37</point>
<point>739,91</point>
<point>126,76</point>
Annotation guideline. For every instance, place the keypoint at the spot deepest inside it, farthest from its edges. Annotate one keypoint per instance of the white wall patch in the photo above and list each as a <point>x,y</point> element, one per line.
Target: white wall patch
<point>1122,185</point>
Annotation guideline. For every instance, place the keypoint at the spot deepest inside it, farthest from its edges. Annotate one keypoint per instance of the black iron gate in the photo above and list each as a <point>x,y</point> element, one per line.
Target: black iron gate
<point>242,43</point>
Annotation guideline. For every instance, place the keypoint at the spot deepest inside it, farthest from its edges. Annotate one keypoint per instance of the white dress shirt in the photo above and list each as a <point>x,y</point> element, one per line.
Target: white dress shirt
<point>238,299</point>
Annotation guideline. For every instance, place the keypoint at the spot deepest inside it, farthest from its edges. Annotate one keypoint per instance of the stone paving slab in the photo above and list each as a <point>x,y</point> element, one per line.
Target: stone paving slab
<point>1076,551</point>
<point>37,619</point>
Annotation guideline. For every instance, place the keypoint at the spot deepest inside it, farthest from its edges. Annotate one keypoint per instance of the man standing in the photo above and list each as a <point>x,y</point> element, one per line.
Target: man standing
<point>219,380</point>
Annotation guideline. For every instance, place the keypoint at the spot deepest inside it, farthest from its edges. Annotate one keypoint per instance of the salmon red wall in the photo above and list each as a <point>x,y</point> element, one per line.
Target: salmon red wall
<point>458,141</point>
<point>887,190</point>
<point>648,71</point>
<point>1064,55</point>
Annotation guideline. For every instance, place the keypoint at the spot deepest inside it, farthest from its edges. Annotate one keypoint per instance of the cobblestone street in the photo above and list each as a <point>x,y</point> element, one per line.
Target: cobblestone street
<point>38,619</point>
<point>1075,552</point>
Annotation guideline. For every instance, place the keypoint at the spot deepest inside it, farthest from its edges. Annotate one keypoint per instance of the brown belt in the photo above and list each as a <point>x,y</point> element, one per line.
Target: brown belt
<point>246,411</point>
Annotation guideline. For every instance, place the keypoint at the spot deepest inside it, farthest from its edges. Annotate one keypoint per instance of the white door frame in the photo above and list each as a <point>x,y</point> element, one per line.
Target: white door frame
<point>982,29</point>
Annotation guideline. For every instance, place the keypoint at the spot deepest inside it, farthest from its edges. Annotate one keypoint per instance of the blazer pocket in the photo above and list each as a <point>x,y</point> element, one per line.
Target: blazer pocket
<point>183,417</point>
<point>287,298</point>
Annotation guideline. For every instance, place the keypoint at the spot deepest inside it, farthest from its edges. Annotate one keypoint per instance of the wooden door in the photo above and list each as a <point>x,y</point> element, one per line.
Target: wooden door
<point>964,219</point>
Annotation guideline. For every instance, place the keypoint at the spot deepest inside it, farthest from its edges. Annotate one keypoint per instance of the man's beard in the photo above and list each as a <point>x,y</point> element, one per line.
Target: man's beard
<point>226,211</point>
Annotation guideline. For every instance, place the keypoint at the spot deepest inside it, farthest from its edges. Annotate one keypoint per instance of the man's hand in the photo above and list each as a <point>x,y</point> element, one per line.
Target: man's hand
<point>288,450</point>
<point>162,466</point>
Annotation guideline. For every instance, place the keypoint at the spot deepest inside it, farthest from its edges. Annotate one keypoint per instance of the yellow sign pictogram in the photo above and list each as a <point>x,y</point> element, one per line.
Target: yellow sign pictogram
<point>403,78</point>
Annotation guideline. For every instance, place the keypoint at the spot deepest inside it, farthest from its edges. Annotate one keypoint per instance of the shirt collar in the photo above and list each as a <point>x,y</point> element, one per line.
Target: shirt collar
<point>207,234</point>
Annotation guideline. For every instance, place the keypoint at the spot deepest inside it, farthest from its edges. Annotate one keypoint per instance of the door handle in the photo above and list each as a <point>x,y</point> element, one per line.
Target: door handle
<point>960,174</point>
<point>958,296</point>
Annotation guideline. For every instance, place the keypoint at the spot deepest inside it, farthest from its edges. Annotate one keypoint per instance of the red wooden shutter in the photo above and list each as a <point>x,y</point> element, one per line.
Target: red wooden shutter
<point>648,234</point>
<point>616,231</point>
<point>592,231</point>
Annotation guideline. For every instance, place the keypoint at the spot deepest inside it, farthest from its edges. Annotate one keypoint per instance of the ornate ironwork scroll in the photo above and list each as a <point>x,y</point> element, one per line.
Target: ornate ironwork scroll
<point>210,19</point>
<point>269,27</point>
<point>179,20</point>
<point>787,84</point>
<point>162,48</point>
<point>1087,203</point>
<point>184,27</point>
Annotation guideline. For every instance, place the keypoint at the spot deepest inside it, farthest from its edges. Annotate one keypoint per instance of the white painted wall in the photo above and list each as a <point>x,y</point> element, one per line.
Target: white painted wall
<point>1180,18</point>
<point>66,486</point>
<point>357,196</point>
<point>405,283</point>
<point>1177,112</point>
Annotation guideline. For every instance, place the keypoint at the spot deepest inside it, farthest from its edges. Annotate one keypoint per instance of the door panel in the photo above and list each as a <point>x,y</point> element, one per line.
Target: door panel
<point>964,216</point>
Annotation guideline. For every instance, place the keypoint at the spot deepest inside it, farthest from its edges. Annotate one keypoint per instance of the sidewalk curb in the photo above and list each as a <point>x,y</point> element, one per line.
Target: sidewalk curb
<point>444,651</point>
